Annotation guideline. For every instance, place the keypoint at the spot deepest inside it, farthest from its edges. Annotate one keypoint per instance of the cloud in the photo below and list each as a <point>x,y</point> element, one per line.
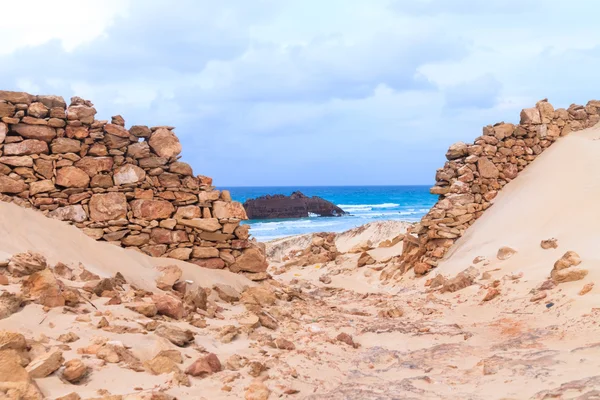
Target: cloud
<point>308,92</point>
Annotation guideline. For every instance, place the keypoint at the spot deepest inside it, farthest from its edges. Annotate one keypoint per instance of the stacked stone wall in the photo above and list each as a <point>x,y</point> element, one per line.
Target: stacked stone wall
<point>475,173</point>
<point>123,186</point>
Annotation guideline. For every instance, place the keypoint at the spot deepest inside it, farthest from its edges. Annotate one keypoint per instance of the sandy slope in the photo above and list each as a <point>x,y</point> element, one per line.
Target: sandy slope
<point>556,196</point>
<point>22,230</point>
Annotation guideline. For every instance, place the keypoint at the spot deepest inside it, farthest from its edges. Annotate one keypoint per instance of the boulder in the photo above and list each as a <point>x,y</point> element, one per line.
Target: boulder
<point>564,269</point>
<point>75,370</point>
<point>108,206</point>
<point>26,147</point>
<point>169,274</point>
<point>251,260</point>
<point>145,308</point>
<point>168,305</point>
<point>38,132</point>
<point>205,365</point>
<point>365,259</point>
<point>11,186</point>
<point>457,150</point>
<point>43,186</point>
<point>44,288</point>
<point>175,335</point>
<point>94,165</point>
<point>164,143</point>
<point>74,213</point>
<point>22,264</point>
<point>45,364</point>
<point>549,244</point>
<point>128,174</point>
<point>152,209</point>
<point>486,168</point>
<point>17,161</point>
<point>504,253</point>
<point>72,177</point>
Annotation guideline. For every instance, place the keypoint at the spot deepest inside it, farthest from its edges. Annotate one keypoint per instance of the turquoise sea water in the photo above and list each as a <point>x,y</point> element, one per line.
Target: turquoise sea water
<point>363,203</point>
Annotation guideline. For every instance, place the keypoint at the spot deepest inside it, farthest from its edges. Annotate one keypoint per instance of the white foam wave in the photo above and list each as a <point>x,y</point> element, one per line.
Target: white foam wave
<point>366,207</point>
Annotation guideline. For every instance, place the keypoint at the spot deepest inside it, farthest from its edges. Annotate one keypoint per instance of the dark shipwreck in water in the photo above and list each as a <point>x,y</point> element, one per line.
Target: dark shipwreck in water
<point>297,205</point>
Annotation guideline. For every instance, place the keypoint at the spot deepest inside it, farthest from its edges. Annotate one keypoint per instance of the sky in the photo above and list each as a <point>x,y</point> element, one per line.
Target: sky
<point>307,92</point>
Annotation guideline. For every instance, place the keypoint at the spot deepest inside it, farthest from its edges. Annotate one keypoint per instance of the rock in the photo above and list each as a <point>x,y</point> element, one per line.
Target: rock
<point>257,391</point>
<point>205,252</point>
<point>10,303</point>
<point>530,116</point>
<point>108,206</point>
<point>251,260</point>
<point>26,148</point>
<point>538,296</point>
<point>74,213</point>
<point>460,281</point>
<point>326,279</point>
<point>586,288</point>
<point>437,281</point>
<point>152,209</point>
<point>168,305</point>
<point>457,150</point>
<point>258,296</point>
<point>38,132</point>
<point>22,264</point>
<point>205,365</point>
<point>175,335</point>
<point>227,293</point>
<point>267,320</point>
<point>117,130</point>
<point>15,382</point>
<point>12,341</point>
<point>136,240</point>
<point>564,269</point>
<point>204,224</point>
<point>44,288</point>
<point>75,370</point>
<point>346,338</point>
<point>196,298</point>
<point>491,294</point>
<point>45,364</point>
<point>504,253</point>
<point>249,320</point>
<point>43,186</point>
<point>161,365</point>
<point>549,244</point>
<point>144,308</point>
<point>283,344</point>
<point>72,177</point>
<point>69,337</point>
<point>168,276</point>
<point>11,186</point>
<point>164,143</point>
<point>128,174</point>
<point>17,161</point>
<point>487,169</point>
<point>226,210</point>
<point>365,259</point>
<point>140,131</point>
<point>297,205</point>
<point>228,333</point>
<point>65,145</point>
<point>95,165</point>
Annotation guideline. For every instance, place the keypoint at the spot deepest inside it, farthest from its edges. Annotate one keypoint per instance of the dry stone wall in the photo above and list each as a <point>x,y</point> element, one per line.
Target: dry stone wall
<point>475,173</point>
<point>124,186</point>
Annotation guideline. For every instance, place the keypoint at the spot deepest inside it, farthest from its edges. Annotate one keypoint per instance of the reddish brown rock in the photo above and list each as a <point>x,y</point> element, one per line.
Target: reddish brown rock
<point>72,177</point>
<point>108,206</point>
<point>224,210</point>
<point>94,165</point>
<point>26,147</point>
<point>39,132</point>
<point>251,260</point>
<point>116,130</point>
<point>11,186</point>
<point>152,209</point>
<point>205,365</point>
<point>74,213</point>
<point>168,305</point>
<point>128,174</point>
<point>65,145</point>
<point>164,143</point>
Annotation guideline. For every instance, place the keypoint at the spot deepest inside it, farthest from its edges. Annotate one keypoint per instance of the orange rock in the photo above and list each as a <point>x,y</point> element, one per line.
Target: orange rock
<point>205,365</point>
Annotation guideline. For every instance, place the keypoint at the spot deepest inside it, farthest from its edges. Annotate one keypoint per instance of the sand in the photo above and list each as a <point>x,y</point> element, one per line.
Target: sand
<point>414,342</point>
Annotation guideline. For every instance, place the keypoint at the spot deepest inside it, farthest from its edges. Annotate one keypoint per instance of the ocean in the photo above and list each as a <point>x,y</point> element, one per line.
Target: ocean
<point>363,203</point>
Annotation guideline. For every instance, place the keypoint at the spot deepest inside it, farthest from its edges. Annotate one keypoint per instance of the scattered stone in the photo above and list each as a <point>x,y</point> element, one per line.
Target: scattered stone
<point>460,281</point>
<point>492,293</point>
<point>365,259</point>
<point>161,365</point>
<point>228,333</point>
<point>549,244</point>
<point>144,308</point>
<point>169,275</point>
<point>227,293</point>
<point>326,279</point>
<point>75,370</point>
<point>168,305</point>
<point>539,296</point>
<point>175,335</point>
<point>564,269</point>
<point>504,253</point>
<point>346,338</point>
<point>257,391</point>
<point>205,365</point>
<point>45,364</point>
<point>26,263</point>
<point>586,288</point>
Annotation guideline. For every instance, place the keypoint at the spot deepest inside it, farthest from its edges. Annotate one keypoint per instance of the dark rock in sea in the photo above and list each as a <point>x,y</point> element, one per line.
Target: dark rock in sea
<point>297,205</point>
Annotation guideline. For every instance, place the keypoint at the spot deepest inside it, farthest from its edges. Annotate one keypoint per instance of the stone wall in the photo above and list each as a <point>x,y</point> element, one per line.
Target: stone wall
<point>475,173</point>
<point>124,186</point>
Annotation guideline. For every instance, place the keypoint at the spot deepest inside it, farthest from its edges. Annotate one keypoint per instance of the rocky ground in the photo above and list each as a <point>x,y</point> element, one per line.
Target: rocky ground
<point>324,328</point>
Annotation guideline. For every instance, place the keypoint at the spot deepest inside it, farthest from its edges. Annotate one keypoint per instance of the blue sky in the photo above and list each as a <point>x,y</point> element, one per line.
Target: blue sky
<point>307,92</point>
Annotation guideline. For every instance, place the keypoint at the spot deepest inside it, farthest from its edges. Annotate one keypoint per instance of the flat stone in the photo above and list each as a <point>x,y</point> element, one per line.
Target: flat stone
<point>108,206</point>
<point>205,224</point>
<point>74,213</point>
<point>26,147</point>
<point>11,186</point>
<point>72,177</point>
<point>152,209</point>
<point>128,174</point>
